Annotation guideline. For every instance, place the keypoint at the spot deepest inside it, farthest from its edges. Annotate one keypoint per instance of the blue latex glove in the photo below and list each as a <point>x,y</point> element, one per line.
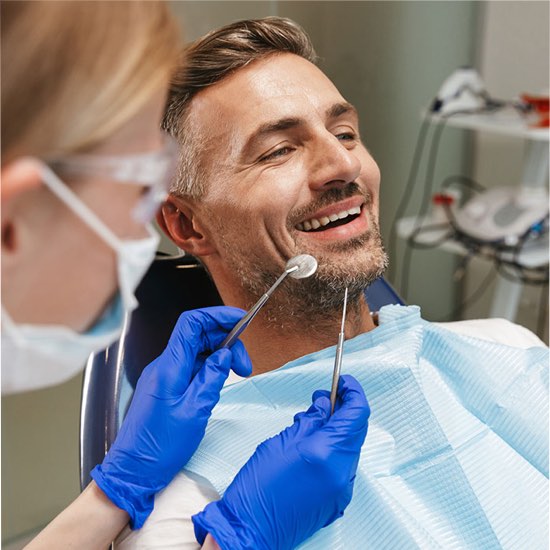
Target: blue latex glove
<point>172,403</point>
<point>296,482</point>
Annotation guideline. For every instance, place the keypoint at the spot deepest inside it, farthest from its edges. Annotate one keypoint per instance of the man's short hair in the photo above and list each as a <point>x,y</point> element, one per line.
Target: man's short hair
<point>209,60</point>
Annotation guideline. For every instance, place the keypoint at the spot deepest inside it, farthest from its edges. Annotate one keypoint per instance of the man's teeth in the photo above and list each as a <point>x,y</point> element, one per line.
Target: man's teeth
<point>315,223</point>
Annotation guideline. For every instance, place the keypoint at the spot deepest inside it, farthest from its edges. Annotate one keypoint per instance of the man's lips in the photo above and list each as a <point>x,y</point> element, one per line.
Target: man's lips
<point>342,220</point>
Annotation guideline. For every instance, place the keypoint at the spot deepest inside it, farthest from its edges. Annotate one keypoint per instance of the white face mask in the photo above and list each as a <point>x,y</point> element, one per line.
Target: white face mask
<point>37,356</point>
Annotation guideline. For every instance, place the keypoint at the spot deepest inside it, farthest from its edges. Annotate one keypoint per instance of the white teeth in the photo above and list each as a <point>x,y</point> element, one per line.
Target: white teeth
<point>315,223</point>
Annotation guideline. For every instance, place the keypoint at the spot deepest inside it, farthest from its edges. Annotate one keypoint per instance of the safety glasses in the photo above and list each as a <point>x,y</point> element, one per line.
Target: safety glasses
<point>155,170</point>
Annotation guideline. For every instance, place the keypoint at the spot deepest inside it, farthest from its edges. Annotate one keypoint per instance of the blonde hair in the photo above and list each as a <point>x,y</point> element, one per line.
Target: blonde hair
<point>74,72</point>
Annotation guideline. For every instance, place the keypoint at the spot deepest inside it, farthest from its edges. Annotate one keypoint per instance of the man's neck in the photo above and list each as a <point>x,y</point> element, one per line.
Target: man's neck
<point>272,345</point>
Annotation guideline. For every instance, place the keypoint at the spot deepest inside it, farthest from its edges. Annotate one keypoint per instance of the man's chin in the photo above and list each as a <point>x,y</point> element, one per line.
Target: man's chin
<point>355,271</point>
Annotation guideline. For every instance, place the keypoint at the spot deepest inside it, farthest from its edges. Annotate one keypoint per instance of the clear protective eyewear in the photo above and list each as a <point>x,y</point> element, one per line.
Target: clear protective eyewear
<point>155,170</point>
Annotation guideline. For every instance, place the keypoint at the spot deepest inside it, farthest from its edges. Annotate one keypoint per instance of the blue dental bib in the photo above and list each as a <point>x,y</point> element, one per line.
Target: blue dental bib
<point>457,450</point>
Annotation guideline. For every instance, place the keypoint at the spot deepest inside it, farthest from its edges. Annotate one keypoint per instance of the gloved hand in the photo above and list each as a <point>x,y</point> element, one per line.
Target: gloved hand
<point>172,403</point>
<point>296,482</point>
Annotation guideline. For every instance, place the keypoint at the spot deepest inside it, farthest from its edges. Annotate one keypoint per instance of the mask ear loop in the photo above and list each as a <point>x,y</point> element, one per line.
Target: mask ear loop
<point>72,201</point>
<point>145,211</point>
<point>9,326</point>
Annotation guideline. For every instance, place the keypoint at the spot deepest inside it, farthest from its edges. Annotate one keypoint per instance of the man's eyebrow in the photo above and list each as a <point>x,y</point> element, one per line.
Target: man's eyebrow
<point>271,128</point>
<point>342,108</point>
<point>275,126</point>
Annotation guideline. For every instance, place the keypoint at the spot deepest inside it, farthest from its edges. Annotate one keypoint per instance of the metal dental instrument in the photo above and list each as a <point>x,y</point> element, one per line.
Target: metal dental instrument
<point>299,267</point>
<point>338,358</point>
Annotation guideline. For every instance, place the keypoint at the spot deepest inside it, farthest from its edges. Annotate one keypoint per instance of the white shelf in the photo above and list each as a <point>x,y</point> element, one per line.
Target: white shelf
<point>533,254</point>
<point>506,122</point>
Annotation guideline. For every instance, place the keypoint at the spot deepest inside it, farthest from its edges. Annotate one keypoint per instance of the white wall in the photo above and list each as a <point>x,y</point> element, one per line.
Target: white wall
<point>513,59</point>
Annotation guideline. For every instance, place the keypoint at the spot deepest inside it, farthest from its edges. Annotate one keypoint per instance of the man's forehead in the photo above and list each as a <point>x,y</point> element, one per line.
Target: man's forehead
<point>283,86</point>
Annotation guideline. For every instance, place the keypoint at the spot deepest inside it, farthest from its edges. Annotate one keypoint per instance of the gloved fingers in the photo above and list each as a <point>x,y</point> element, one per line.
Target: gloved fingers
<point>204,391</point>
<point>321,401</point>
<point>314,413</point>
<point>351,394</point>
<point>346,384</point>
<point>203,330</point>
<point>320,405</point>
<point>320,393</point>
<point>352,410</point>
<point>307,422</point>
<point>241,364</point>
<point>195,332</point>
<point>347,428</point>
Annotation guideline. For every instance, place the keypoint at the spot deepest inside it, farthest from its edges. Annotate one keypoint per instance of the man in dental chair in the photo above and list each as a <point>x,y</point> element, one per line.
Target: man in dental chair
<point>457,450</point>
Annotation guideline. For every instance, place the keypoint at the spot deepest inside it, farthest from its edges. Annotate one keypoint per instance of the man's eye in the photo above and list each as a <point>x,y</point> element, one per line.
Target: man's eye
<point>278,153</point>
<point>346,136</point>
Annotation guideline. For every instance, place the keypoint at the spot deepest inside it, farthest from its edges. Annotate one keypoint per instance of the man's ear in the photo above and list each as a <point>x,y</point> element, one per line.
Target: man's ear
<point>18,177</point>
<point>179,221</point>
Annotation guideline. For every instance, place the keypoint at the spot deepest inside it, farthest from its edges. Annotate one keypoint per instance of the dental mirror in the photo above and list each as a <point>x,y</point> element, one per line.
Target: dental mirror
<point>298,267</point>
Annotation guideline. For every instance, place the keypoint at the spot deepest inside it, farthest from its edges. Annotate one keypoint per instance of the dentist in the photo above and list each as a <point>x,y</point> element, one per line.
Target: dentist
<point>84,169</point>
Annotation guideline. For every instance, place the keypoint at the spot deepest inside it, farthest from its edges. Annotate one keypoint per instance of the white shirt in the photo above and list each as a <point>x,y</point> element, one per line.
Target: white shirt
<point>170,525</point>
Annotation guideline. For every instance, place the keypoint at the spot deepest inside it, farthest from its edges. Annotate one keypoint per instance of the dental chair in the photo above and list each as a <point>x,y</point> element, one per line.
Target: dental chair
<point>172,285</point>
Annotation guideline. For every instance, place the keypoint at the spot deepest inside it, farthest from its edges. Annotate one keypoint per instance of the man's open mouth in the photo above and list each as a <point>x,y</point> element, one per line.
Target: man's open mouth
<point>328,222</point>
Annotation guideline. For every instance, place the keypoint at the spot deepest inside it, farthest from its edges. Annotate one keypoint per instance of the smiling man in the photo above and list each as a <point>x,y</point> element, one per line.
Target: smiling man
<point>280,169</point>
<point>273,166</point>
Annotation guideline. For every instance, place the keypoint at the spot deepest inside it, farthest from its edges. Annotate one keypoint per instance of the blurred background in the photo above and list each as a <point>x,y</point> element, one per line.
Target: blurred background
<point>389,59</point>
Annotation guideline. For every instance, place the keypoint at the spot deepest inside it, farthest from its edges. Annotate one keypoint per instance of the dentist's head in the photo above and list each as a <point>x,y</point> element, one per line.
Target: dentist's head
<point>84,166</point>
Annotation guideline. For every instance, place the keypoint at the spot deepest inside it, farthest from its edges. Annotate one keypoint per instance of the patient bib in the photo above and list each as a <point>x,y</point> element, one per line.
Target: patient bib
<point>456,455</point>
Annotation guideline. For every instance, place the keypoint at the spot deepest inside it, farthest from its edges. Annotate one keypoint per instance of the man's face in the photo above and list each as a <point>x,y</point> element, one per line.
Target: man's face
<point>287,175</point>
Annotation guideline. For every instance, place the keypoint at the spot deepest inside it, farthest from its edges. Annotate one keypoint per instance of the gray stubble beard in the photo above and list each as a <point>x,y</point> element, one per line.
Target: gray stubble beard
<point>313,303</point>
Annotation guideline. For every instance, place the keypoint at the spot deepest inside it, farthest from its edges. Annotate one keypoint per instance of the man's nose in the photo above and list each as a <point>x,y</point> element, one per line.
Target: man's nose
<point>332,164</point>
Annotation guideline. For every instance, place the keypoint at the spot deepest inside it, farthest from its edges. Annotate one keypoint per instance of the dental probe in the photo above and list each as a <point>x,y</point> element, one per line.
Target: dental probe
<point>338,358</point>
<point>299,267</point>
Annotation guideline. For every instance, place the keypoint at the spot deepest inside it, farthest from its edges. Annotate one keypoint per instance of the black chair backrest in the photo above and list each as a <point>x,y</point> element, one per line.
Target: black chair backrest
<point>172,285</point>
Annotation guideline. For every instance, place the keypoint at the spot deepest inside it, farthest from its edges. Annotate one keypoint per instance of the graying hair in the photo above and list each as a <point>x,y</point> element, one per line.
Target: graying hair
<point>209,60</point>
